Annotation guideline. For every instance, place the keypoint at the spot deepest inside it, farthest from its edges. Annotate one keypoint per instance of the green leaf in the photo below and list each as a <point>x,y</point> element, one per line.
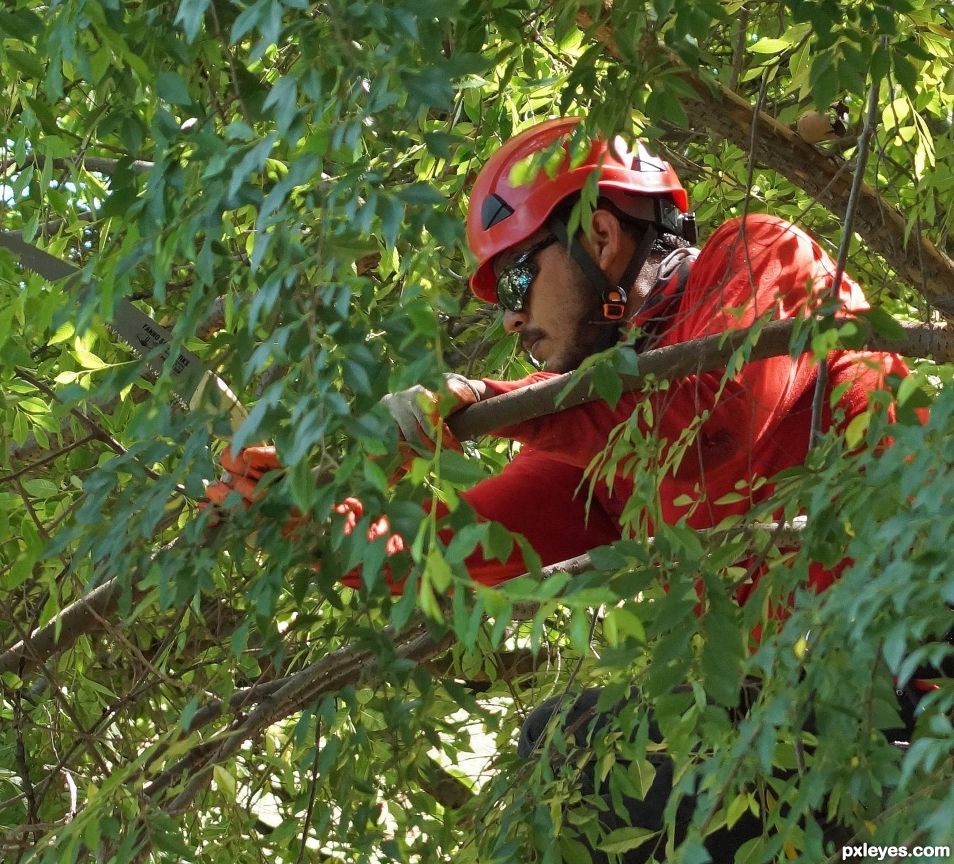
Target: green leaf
<point>26,63</point>
<point>623,839</point>
<point>437,572</point>
<point>63,332</point>
<point>172,88</point>
<point>283,99</point>
<point>225,781</point>
<point>457,468</point>
<point>420,194</point>
<point>823,80</point>
<point>439,143</point>
<point>767,45</point>
<point>498,542</point>
<point>737,808</point>
<point>856,429</point>
<point>39,488</point>
<point>573,851</point>
<point>883,323</point>
<point>428,88</point>
<point>190,15</point>
<point>22,24</point>
<point>626,623</point>
<point>906,73</point>
<point>188,712</point>
<point>643,773</point>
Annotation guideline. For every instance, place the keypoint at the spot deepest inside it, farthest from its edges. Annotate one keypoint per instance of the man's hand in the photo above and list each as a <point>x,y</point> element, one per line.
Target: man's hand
<point>418,411</point>
<point>245,470</point>
<point>250,465</point>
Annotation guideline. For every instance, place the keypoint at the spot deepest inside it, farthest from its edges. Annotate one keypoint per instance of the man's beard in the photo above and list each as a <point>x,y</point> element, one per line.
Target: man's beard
<point>591,335</point>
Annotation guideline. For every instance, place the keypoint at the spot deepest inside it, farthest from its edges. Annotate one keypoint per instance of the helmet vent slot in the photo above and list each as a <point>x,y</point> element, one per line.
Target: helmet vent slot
<point>494,210</point>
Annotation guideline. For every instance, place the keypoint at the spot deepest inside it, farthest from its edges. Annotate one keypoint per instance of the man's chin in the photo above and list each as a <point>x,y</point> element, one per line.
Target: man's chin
<point>558,361</point>
<point>559,365</point>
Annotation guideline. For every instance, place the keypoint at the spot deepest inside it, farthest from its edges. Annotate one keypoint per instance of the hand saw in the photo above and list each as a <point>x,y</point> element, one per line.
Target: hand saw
<point>191,378</point>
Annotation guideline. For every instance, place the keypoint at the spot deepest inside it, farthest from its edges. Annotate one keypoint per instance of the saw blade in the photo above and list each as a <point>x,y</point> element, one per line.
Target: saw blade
<point>190,377</point>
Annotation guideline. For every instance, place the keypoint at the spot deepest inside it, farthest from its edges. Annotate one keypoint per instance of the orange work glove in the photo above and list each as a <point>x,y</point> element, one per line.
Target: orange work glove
<point>418,411</point>
<point>245,471</point>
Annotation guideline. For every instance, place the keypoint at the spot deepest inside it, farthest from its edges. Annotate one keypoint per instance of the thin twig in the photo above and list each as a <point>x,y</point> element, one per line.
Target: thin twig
<point>312,793</point>
<point>754,141</point>
<point>864,143</point>
<point>96,431</point>
<point>50,457</point>
<point>738,49</point>
<point>23,767</point>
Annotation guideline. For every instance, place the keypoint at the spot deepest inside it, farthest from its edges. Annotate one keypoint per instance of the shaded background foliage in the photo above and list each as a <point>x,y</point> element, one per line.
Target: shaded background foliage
<point>283,184</point>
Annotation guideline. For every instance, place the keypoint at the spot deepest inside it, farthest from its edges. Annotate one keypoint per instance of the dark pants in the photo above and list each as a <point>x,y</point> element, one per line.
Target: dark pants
<point>581,723</point>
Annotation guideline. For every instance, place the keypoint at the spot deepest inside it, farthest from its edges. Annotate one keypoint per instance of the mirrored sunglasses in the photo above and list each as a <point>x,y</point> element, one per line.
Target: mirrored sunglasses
<point>514,280</point>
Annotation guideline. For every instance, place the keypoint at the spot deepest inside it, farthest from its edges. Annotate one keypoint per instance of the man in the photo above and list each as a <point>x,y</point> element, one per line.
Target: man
<point>568,294</point>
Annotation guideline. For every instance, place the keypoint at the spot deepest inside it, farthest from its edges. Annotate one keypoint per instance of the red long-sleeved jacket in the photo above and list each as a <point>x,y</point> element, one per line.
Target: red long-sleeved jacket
<point>758,422</point>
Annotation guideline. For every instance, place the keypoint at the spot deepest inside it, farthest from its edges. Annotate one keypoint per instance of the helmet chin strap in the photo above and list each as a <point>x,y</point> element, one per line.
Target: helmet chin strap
<point>612,297</point>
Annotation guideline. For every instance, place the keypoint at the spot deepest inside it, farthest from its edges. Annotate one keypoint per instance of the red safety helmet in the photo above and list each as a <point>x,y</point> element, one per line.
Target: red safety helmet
<point>501,215</point>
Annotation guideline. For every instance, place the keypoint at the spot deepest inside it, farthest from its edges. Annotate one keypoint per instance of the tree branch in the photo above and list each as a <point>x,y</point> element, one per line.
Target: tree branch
<point>673,361</point>
<point>330,674</point>
<point>94,164</point>
<point>52,456</point>
<point>79,618</point>
<point>347,667</point>
<point>922,265</point>
<point>509,666</point>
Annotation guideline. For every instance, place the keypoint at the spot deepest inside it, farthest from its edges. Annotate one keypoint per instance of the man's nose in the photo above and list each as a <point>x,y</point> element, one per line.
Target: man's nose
<point>513,322</point>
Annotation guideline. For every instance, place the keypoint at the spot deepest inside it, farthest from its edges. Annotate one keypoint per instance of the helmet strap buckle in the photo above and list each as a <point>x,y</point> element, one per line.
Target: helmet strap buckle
<point>614,304</point>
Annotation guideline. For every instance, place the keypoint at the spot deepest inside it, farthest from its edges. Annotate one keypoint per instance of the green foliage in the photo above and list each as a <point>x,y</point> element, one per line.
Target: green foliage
<point>283,184</point>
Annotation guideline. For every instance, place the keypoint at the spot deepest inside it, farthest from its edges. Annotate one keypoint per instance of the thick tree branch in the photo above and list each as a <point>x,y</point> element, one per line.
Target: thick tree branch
<point>922,265</point>
<point>341,668</point>
<point>514,665</point>
<point>94,164</point>
<point>348,667</point>
<point>449,791</point>
<point>79,618</point>
<point>673,361</point>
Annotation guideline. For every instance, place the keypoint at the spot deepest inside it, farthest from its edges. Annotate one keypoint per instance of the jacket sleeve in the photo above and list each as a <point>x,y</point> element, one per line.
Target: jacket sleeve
<point>545,501</point>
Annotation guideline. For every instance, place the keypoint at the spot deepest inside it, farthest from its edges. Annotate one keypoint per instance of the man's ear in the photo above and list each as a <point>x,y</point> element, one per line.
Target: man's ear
<point>605,238</point>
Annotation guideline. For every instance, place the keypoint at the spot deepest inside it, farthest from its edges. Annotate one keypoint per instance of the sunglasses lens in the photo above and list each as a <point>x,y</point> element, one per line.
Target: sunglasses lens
<point>512,287</point>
